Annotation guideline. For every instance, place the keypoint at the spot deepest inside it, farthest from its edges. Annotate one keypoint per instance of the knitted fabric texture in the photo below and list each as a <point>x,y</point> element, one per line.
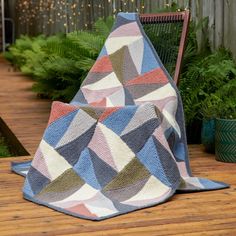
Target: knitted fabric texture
<point>120,144</point>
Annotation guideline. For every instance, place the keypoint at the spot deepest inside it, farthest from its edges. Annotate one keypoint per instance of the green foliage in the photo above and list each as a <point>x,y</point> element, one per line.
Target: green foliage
<point>222,103</point>
<point>203,78</point>
<point>4,150</point>
<point>59,63</point>
<point>173,7</point>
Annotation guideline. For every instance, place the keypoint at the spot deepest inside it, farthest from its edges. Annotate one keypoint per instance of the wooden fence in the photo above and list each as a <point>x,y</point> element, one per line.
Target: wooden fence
<point>52,16</point>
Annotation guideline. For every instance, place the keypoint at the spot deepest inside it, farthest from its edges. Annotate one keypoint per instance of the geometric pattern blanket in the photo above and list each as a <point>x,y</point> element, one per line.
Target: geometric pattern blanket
<point>120,144</point>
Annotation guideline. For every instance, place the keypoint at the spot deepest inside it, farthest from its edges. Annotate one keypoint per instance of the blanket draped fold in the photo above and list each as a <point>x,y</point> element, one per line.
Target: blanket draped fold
<point>120,144</point>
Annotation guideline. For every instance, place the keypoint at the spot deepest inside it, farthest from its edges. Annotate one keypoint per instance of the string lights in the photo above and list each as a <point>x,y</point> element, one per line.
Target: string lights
<point>68,15</point>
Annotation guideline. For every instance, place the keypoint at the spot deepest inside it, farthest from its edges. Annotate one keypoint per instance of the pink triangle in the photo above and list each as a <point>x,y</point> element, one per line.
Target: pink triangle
<point>102,65</point>
<point>60,109</point>
<point>130,29</point>
<point>39,164</point>
<point>160,104</point>
<point>160,136</point>
<point>82,210</point>
<point>99,145</point>
<point>156,76</point>
<point>101,103</point>
<point>108,112</point>
<point>97,95</point>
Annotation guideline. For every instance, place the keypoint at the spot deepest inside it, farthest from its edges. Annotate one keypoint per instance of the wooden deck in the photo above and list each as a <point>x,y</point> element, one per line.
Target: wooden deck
<point>205,213</point>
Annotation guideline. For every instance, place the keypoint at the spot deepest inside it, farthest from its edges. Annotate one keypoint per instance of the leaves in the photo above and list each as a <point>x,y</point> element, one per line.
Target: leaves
<point>59,63</point>
<point>201,82</point>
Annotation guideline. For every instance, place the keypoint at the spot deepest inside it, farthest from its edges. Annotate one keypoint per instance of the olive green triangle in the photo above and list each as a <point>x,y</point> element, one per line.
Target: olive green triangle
<point>128,176</point>
<point>90,111</point>
<point>117,61</point>
<point>65,182</point>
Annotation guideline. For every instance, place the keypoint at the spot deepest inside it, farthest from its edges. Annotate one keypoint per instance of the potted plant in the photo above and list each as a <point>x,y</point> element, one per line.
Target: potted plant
<point>221,106</point>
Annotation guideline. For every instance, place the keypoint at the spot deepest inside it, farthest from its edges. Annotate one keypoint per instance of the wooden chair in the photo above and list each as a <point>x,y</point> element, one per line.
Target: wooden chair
<point>167,32</point>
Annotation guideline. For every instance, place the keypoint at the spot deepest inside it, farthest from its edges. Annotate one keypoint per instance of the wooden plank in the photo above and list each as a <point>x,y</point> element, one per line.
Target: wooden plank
<point>204,213</point>
<point>219,23</point>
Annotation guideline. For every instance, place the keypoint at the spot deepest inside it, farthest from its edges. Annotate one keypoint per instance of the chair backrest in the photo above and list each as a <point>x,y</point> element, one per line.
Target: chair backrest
<point>167,32</point>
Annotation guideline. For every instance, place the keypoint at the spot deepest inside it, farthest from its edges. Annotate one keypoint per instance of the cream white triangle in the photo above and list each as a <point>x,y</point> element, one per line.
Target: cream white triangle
<point>109,81</point>
<point>172,121</point>
<point>115,43</point>
<point>56,163</point>
<point>116,99</point>
<point>154,188</point>
<point>77,127</point>
<point>158,94</point>
<point>84,193</point>
<point>136,52</point>
<point>121,153</point>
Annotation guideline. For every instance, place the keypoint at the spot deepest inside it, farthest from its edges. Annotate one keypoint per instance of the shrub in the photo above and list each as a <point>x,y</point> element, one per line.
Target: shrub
<point>59,63</point>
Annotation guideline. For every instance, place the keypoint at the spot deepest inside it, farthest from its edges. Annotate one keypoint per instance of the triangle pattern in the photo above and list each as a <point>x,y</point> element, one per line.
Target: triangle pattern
<point>101,103</point>
<point>39,164</point>
<point>127,176</point>
<point>116,99</point>
<point>84,168</point>
<point>108,111</point>
<point>143,114</point>
<point>97,95</point>
<point>102,65</point>
<point>128,97</point>
<point>155,76</point>
<point>81,209</point>
<point>27,188</point>
<point>60,109</point>
<point>98,144</point>
<point>148,56</point>
<point>161,93</point>
<point>110,81</point>
<point>121,153</point>
<point>117,60</point>
<point>79,125</point>
<point>128,68</point>
<point>149,157</point>
<point>168,163</point>
<point>72,150</point>
<point>153,189</point>
<point>136,52</point>
<point>56,165</point>
<point>101,167</point>
<point>118,120</point>
<point>94,77</point>
<point>114,44</point>
<point>130,29</point>
<point>56,130</point>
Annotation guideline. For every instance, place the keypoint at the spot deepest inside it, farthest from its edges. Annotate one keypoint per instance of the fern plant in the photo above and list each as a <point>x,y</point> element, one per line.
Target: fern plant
<point>204,77</point>
<point>59,63</point>
<point>222,103</point>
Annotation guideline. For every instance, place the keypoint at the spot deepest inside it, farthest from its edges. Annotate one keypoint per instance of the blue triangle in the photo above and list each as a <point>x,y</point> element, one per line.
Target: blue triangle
<point>103,171</point>
<point>84,168</point>
<point>128,97</point>
<point>127,16</point>
<point>27,188</point>
<point>118,120</point>
<point>103,52</point>
<point>149,157</point>
<point>79,99</point>
<point>149,60</point>
<point>57,129</point>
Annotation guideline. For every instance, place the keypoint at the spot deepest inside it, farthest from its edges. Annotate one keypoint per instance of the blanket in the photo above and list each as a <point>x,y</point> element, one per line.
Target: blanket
<point>120,144</point>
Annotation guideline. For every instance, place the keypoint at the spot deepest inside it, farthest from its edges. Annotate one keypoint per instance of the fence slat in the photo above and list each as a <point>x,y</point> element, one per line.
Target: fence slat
<point>37,16</point>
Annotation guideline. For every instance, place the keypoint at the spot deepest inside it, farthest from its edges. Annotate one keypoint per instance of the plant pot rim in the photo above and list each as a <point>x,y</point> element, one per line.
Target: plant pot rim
<point>222,119</point>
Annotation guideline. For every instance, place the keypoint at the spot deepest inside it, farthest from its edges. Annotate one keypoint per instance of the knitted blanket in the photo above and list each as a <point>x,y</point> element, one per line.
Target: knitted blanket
<point>120,144</point>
